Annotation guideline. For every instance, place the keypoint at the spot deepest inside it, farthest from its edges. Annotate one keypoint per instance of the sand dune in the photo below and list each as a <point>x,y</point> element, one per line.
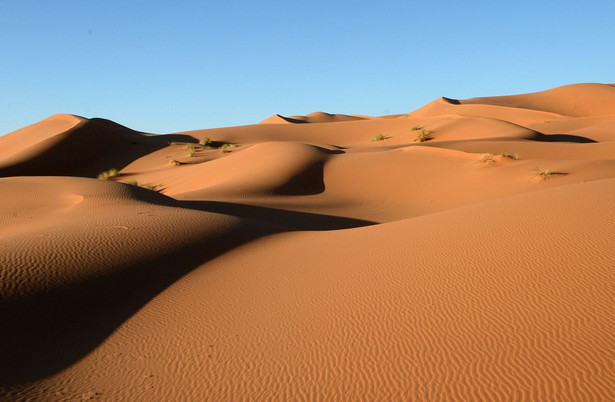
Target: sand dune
<point>570,100</point>
<point>323,256</point>
<point>316,117</point>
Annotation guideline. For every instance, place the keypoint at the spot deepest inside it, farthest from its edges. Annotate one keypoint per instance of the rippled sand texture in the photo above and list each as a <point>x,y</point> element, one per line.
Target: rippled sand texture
<point>310,262</point>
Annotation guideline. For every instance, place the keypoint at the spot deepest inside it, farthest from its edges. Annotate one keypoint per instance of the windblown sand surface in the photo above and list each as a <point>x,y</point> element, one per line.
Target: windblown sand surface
<point>310,262</point>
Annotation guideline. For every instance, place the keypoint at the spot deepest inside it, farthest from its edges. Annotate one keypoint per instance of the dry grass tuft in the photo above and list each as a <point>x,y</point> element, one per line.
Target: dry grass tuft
<point>545,174</point>
<point>109,174</point>
<point>150,187</point>
<point>509,155</point>
<point>379,137</point>
<point>486,158</point>
<point>423,135</point>
<point>227,147</point>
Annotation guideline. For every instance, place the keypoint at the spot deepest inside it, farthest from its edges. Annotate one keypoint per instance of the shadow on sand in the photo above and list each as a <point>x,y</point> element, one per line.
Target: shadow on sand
<point>284,219</point>
<point>46,333</point>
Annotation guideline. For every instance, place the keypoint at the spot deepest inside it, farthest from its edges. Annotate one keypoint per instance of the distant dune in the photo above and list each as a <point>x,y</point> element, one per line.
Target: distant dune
<point>316,117</point>
<point>462,251</point>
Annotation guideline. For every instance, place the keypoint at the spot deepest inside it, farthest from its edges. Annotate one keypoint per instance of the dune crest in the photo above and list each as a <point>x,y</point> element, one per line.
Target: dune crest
<point>462,251</point>
<point>19,140</point>
<point>573,101</point>
<point>316,117</point>
<point>578,100</point>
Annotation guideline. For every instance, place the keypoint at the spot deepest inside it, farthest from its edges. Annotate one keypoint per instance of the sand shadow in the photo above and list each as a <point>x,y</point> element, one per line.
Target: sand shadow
<point>284,219</point>
<point>291,120</point>
<point>46,333</point>
<point>309,181</point>
<point>451,101</point>
<point>86,150</point>
<point>562,138</point>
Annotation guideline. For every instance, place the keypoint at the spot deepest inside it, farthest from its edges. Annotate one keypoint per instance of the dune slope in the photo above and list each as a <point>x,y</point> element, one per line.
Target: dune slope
<point>462,251</point>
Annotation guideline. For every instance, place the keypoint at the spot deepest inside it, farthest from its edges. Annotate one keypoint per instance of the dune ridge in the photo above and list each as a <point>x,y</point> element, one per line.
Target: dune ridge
<point>461,251</point>
<point>316,117</point>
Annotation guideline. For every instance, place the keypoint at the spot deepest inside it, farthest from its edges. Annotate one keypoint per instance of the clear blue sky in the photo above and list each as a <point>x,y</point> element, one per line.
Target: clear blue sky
<point>161,66</point>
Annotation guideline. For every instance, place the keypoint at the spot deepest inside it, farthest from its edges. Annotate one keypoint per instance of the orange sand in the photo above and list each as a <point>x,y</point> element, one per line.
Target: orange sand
<point>309,262</point>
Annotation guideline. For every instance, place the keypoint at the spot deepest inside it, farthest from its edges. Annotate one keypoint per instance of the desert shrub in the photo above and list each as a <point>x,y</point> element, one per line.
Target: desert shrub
<point>486,158</point>
<point>416,128</point>
<point>205,141</point>
<point>191,152</point>
<point>509,155</point>
<point>109,174</point>
<point>227,147</point>
<point>151,187</point>
<point>546,174</point>
<point>423,135</point>
<point>379,137</point>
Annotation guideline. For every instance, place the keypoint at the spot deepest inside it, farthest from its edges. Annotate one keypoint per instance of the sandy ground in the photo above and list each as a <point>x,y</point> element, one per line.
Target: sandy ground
<point>329,257</point>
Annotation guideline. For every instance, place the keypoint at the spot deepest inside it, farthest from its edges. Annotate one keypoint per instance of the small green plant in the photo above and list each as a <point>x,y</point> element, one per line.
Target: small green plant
<point>379,137</point>
<point>109,174</point>
<point>205,141</point>
<point>227,147</point>
<point>416,128</point>
<point>191,152</point>
<point>546,174</point>
<point>486,158</point>
<point>174,162</point>
<point>509,155</point>
<point>145,186</point>
<point>151,187</point>
<point>423,135</point>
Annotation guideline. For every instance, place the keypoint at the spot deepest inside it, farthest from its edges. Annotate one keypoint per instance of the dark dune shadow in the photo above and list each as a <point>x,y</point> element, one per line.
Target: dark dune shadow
<point>451,101</point>
<point>561,138</point>
<point>288,220</point>
<point>309,181</point>
<point>46,333</point>
<point>292,120</point>
<point>337,151</point>
<point>183,139</point>
<point>169,138</point>
<point>86,150</point>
